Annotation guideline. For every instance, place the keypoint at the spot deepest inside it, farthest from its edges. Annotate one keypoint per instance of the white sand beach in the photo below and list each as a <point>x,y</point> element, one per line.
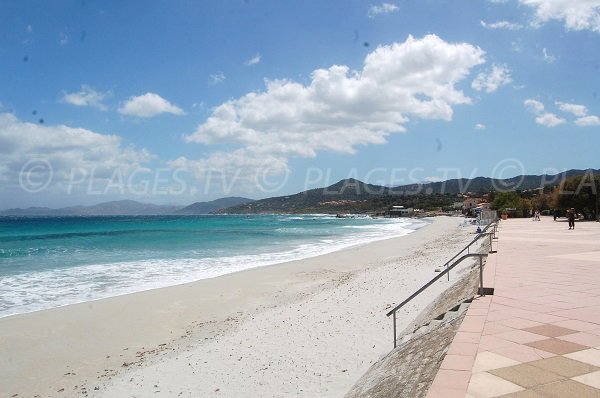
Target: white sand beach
<point>305,328</point>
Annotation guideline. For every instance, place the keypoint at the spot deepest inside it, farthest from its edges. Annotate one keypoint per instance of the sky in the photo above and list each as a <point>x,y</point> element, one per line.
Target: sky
<point>173,102</point>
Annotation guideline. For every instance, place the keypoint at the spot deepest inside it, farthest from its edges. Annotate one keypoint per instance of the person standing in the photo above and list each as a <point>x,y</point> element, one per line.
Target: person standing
<point>571,217</point>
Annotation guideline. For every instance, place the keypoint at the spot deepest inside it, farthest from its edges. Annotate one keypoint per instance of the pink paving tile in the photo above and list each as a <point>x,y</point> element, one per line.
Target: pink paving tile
<point>489,342</point>
<point>499,316</point>
<point>543,300</point>
<point>480,302</point>
<point>520,336</point>
<point>595,332</point>
<point>468,349</point>
<point>519,323</point>
<point>458,362</point>
<point>484,385</point>
<point>577,325</point>
<point>546,318</point>
<point>467,337</point>
<point>557,346</point>
<point>445,392</point>
<point>588,314</point>
<point>495,328</point>
<point>522,353</point>
<point>545,309</point>
<point>550,330</point>
<point>472,324</point>
<point>566,306</point>
<point>495,307</point>
<point>478,311</point>
<point>582,338</point>
<point>452,379</point>
<point>499,298</point>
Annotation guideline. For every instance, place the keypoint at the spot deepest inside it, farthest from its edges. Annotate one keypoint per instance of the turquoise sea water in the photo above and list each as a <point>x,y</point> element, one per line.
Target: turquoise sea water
<point>50,262</point>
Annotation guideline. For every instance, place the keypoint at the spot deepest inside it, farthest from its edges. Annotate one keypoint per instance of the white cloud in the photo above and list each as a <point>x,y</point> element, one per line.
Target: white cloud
<point>549,120</point>
<point>65,149</point>
<point>547,57</point>
<point>339,109</point>
<point>543,118</point>
<point>575,14</point>
<point>148,105</point>
<point>253,61</point>
<point>216,78</point>
<point>480,126</point>
<point>384,8</point>
<point>575,109</point>
<point>534,106</point>
<point>87,96</point>
<point>491,81</point>
<point>501,25</point>
<point>590,120</point>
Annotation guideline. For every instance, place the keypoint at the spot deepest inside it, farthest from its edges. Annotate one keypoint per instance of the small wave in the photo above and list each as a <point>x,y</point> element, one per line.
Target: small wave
<point>32,291</point>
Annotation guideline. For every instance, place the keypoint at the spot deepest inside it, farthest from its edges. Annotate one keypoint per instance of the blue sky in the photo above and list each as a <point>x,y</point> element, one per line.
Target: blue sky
<point>182,101</point>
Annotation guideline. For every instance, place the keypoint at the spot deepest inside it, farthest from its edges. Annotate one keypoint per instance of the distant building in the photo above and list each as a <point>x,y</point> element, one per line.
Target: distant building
<point>400,211</point>
<point>470,203</point>
<point>483,205</point>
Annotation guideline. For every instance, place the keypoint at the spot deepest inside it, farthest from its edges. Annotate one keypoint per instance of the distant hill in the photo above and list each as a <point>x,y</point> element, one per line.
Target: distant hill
<point>485,184</point>
<point>114,208</point>
<point>351,195</point>
<point>210,207</point>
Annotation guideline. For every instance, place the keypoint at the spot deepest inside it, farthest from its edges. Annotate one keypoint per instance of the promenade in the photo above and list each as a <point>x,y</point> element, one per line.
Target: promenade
<point>538,335</point>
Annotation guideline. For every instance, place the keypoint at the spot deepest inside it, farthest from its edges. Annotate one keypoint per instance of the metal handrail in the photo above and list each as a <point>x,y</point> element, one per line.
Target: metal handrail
<point>449,267</point>
<point>494,223</point>
<point>431,282</point>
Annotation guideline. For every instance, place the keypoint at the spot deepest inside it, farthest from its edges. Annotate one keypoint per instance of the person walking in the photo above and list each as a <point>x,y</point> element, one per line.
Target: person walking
<point>571,218</point>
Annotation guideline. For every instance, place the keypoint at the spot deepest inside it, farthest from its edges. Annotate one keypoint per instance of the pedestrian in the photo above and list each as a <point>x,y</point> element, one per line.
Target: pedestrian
<point>571,217</point>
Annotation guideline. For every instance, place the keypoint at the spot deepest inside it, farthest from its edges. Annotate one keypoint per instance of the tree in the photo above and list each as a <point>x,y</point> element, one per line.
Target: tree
<point>580,192</point>
<point>506,200</point>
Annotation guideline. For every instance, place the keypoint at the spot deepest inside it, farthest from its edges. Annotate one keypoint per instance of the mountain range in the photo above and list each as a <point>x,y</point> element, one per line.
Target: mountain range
<point>127,207</point>
<point>345,195</point>
<point>351,195</point>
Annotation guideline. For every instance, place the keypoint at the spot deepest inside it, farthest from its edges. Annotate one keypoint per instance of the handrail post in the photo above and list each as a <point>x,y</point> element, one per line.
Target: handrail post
<point>394,329</point>
<point>481,292</point>
<point>491,240</point>
<point>415,294</point>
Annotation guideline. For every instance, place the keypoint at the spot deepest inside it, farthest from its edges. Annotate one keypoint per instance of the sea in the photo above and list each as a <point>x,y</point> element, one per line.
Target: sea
<point>55,261</point>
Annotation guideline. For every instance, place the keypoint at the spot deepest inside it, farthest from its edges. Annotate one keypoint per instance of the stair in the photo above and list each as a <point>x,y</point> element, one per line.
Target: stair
<point>434,323</point>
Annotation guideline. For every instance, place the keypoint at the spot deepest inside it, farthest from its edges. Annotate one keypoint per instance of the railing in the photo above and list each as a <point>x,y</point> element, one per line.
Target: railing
<point>449,267</point>
<point>483,233</point>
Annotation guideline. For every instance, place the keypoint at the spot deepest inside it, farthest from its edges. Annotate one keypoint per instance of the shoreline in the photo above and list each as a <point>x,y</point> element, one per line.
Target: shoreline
<point>72,350</point>
<point>230,264</point>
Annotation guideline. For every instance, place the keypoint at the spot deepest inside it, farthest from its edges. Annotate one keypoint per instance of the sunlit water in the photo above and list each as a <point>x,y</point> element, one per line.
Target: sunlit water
<point>50,262</point>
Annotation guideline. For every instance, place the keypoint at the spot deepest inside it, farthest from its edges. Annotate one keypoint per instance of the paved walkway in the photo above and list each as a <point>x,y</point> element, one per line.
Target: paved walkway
<point>539,334</point>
